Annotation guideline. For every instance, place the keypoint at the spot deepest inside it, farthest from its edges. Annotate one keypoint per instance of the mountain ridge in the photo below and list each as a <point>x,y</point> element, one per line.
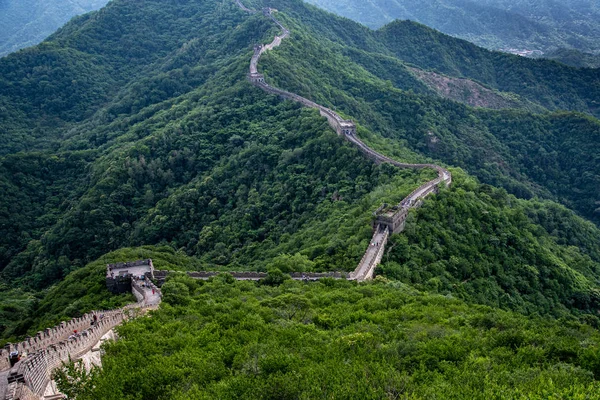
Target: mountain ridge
<point>519,26</point>
<point>193,157</point>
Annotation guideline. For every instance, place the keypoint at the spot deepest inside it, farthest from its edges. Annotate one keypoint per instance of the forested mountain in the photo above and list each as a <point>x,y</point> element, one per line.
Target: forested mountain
<point>574,58</point>
<point>132,132</point>
<point>526,27</point>
<point>228,340</point>
<point>161,140</point>
<point>25,23</point>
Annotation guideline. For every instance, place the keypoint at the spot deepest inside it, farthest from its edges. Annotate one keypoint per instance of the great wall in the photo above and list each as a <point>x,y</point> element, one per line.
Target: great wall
<point>29,376</point>
<point>388,220</point>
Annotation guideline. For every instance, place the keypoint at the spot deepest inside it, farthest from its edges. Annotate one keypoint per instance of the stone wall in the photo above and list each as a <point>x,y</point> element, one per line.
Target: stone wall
<point>37,368</point>
<point>51,336</point>
<point>128,264</point>
<point>18,391</point>
<point>394,223</point>
<point>250,275</point>
<point>377,259</point>
<point>49,349</point>
<point>145,294</point>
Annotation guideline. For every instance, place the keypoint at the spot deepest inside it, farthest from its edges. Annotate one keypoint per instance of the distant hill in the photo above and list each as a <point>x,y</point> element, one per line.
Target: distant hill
<point>516,26</point>
<point>574,58</point>
<point>25,23</point>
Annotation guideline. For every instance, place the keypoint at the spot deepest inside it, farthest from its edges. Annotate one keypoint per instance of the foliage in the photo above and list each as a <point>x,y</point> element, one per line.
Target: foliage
<point>27,22</point>
<point>134,126</point>
<point>74,380</point>
<point>360,78</point>
<point>574,58</point>
<point>28,312</point>
<point>341,340</point>
<point>478,243</point>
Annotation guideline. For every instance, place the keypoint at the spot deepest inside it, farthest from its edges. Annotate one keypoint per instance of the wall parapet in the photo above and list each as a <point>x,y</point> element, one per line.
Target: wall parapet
<point>251,275</point>
<point>70,340</point>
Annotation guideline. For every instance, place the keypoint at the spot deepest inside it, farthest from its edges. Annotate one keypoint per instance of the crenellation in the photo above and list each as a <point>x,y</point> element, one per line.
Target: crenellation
<point>70,340</point>
<point>51,347</point>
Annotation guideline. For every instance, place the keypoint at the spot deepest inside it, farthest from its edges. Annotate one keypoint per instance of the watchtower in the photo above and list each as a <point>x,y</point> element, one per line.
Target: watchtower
<point>347,128</point>
<point>394,218</point>
<point>256,78</point>
<point>118,276</point>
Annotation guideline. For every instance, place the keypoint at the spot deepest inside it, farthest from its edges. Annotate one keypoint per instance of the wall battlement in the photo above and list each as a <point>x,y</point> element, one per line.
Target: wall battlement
<point>49,349</point>
<point>254,276</point>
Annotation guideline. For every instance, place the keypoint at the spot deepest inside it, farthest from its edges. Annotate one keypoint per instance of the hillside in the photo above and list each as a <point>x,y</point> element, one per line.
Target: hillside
<point>27,22</point>
<point>574,58</point>
<point>176,148</point>
<point>516,26</point>
<point>232,340</point>
<point>179,158</point>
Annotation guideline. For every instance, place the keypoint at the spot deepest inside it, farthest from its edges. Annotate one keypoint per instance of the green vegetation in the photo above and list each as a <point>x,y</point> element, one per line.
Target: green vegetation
<point>163,144</point>
<point>83,290</point>
<point>478,243</point>
<point>574,58</point>
<point>507,25</point>
<point>239,340</point>
<point>27,22</point>
<point>528,154</point>
<point>131,133</point>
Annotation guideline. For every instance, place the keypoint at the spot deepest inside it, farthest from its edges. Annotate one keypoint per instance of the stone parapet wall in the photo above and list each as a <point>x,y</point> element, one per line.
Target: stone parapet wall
<point>48,351</point>
<point>144,295</point>
<point>318,275</point>
<point>251,275</point>
<point>51,336</point>
<point>37,368</point>
<point>19,391</point>
<point>377,259</point>
<point>347,129</point>
<point>138,263</point>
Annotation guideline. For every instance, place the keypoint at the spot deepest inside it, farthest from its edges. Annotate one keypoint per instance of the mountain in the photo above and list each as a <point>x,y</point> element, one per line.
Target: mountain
<point>27,22</point>
<point>134,133</point>
<point>574,58</point>
<point>150,135</point>
<point>516,26</point>
<point>234,340</point>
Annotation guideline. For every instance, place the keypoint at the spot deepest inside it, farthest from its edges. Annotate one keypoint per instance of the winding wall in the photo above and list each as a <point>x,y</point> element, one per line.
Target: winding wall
<point>49,349</point>
<point>386,224</point>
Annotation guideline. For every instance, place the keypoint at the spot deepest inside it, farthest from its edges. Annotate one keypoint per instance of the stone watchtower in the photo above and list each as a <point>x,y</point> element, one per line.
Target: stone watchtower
<point>347,128</point>
<point>118,276</point>
<point>255,77</point>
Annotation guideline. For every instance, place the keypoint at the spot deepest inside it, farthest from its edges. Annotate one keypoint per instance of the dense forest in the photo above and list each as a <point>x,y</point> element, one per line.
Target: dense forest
<point>132,133</point>
<point>575,58</point>
<point>531,27</point>
<point>184,152</point>
<point>478,243</point>
<point>530,154</point>
<point>236,340</point>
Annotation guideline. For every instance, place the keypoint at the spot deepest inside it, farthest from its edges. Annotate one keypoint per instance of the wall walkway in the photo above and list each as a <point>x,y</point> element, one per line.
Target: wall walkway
<point>347,129</point>
<point>41,355</point>
<point>45,352</point>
